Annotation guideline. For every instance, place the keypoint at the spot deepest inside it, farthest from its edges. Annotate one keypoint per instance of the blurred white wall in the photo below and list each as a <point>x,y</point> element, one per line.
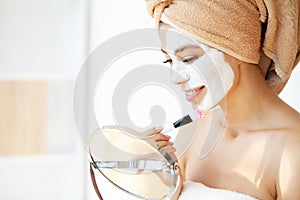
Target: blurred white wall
<point>46,41</point>
<point>290,94</point>
<point>41,37</point>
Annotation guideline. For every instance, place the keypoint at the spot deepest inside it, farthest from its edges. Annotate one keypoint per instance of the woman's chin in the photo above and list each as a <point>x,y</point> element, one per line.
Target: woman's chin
<point>195,104</point>
<point>199,103</point>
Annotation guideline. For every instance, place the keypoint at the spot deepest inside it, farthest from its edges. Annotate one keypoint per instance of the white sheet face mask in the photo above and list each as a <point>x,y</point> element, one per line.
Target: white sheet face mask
<point>200,71</point>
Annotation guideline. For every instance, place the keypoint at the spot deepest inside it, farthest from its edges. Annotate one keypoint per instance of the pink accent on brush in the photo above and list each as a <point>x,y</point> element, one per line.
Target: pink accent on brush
<point>200,113</point>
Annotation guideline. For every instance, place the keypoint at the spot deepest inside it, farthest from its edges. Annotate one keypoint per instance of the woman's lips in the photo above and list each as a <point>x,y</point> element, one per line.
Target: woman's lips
<point>190,95</point>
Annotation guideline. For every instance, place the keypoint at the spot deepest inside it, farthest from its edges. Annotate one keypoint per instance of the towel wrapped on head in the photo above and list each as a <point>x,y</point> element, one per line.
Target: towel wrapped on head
<point>264,32</point>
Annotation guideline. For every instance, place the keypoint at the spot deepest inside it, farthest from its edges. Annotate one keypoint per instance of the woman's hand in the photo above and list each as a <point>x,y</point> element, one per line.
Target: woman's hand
<point>163,141</point>
<point>155,138</point>
<point>160,140</point>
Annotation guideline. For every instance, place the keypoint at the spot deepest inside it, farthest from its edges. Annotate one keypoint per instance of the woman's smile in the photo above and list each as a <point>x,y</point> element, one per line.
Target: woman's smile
<point>190,95</point>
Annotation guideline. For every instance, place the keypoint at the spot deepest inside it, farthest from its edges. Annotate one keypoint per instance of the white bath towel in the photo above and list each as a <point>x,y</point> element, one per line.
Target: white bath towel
<point>194,191</point>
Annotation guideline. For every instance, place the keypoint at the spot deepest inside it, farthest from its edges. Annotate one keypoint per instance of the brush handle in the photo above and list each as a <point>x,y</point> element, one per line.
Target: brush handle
<point>183,121</point>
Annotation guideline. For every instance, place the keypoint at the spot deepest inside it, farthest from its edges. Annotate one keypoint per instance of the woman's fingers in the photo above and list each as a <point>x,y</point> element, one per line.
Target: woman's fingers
<point>155,134</point>
<point>153,131</point>
<point>162,144</point>
<point>160,137</point>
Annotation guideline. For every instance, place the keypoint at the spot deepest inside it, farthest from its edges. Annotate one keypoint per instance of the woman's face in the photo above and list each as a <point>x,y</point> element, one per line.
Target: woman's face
<point>201,72</point>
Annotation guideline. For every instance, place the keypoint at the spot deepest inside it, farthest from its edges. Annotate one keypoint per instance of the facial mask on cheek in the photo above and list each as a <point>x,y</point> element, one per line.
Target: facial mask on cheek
<point>223,67</point>
<point>218,77</point>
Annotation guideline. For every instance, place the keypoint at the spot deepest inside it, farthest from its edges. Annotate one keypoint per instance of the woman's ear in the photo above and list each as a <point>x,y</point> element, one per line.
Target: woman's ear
<point>232,61</point>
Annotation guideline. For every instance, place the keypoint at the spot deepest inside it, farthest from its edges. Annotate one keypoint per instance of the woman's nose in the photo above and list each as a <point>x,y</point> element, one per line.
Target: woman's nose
<point>179,74</point>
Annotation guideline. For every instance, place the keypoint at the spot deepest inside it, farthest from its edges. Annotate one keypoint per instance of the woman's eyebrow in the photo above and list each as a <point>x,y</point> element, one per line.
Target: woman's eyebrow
<point>198,49</point>
<point>190,47</point>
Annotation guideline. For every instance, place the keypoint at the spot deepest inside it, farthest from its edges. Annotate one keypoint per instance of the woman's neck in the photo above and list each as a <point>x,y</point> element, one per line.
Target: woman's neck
<point>249,104</point>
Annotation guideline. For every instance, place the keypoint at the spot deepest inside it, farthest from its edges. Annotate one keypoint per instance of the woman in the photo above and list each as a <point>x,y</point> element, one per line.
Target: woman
<point>257,44</point>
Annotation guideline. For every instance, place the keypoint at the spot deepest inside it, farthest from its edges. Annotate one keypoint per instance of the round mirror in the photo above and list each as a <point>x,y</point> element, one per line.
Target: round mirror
<point>134,164</point>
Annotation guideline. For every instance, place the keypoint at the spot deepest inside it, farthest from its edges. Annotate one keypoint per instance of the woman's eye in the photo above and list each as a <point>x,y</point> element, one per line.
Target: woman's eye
<point>189,59</point>
<point>167,61</point>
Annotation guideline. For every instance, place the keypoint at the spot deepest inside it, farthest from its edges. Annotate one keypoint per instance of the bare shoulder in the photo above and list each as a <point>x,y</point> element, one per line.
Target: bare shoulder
<point>288,180</point>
